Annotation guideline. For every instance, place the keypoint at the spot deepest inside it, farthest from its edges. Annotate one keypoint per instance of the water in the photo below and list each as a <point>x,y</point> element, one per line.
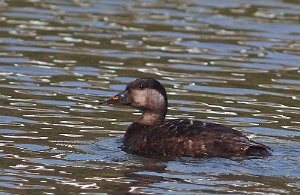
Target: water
<point>233,62</point>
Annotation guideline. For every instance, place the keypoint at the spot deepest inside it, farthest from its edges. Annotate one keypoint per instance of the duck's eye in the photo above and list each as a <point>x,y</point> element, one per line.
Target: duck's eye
<point>141,86</point>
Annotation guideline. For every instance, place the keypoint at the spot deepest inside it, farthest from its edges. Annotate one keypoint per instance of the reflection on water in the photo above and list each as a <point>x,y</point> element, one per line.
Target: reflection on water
<point>232,62</point>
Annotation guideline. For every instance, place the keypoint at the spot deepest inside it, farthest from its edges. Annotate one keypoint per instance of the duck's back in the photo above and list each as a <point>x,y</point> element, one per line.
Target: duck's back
<point>190,138</point>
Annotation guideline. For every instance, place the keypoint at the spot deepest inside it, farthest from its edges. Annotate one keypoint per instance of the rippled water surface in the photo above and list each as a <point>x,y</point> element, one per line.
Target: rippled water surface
<point>234,62</point>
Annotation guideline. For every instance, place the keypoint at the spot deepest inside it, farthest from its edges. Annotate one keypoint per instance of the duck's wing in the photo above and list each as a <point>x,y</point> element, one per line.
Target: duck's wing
<point>197,138</point>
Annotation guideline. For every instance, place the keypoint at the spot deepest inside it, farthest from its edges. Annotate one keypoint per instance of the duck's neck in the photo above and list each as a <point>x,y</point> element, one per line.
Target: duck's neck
<point>150,118</point>
<point>156,110</point>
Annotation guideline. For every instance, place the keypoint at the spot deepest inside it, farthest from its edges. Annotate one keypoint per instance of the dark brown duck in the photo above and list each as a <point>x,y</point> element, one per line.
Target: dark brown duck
<point>152,135</point>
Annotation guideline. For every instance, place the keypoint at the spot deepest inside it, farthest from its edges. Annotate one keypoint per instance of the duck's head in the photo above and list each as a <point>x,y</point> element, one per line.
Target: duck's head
<point>146,94</point>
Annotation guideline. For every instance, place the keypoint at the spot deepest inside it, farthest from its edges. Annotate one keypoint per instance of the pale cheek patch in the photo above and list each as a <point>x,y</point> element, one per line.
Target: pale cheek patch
<point>156,99</point>
<point>139,98</point>
<point>148,98</point>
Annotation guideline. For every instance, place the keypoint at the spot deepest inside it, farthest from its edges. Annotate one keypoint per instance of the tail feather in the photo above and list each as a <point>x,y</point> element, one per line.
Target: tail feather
<point>258,150</point>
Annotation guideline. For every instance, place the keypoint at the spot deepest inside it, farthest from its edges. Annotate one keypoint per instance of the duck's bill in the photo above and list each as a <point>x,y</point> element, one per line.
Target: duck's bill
<point>120,98</point>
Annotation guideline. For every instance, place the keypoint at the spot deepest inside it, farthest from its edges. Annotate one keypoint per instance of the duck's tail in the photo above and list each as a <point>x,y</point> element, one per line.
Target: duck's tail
<point>258,150</point>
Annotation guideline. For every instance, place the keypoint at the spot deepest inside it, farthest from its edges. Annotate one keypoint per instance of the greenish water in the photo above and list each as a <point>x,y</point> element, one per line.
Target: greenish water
<point>234,62</point>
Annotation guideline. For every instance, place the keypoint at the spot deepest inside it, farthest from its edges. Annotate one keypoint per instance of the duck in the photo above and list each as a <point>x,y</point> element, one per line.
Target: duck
<point>152,135</point>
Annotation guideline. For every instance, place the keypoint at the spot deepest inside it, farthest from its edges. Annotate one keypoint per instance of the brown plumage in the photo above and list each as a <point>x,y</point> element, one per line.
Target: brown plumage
<point>151,135</point>
<point>190,138</point>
